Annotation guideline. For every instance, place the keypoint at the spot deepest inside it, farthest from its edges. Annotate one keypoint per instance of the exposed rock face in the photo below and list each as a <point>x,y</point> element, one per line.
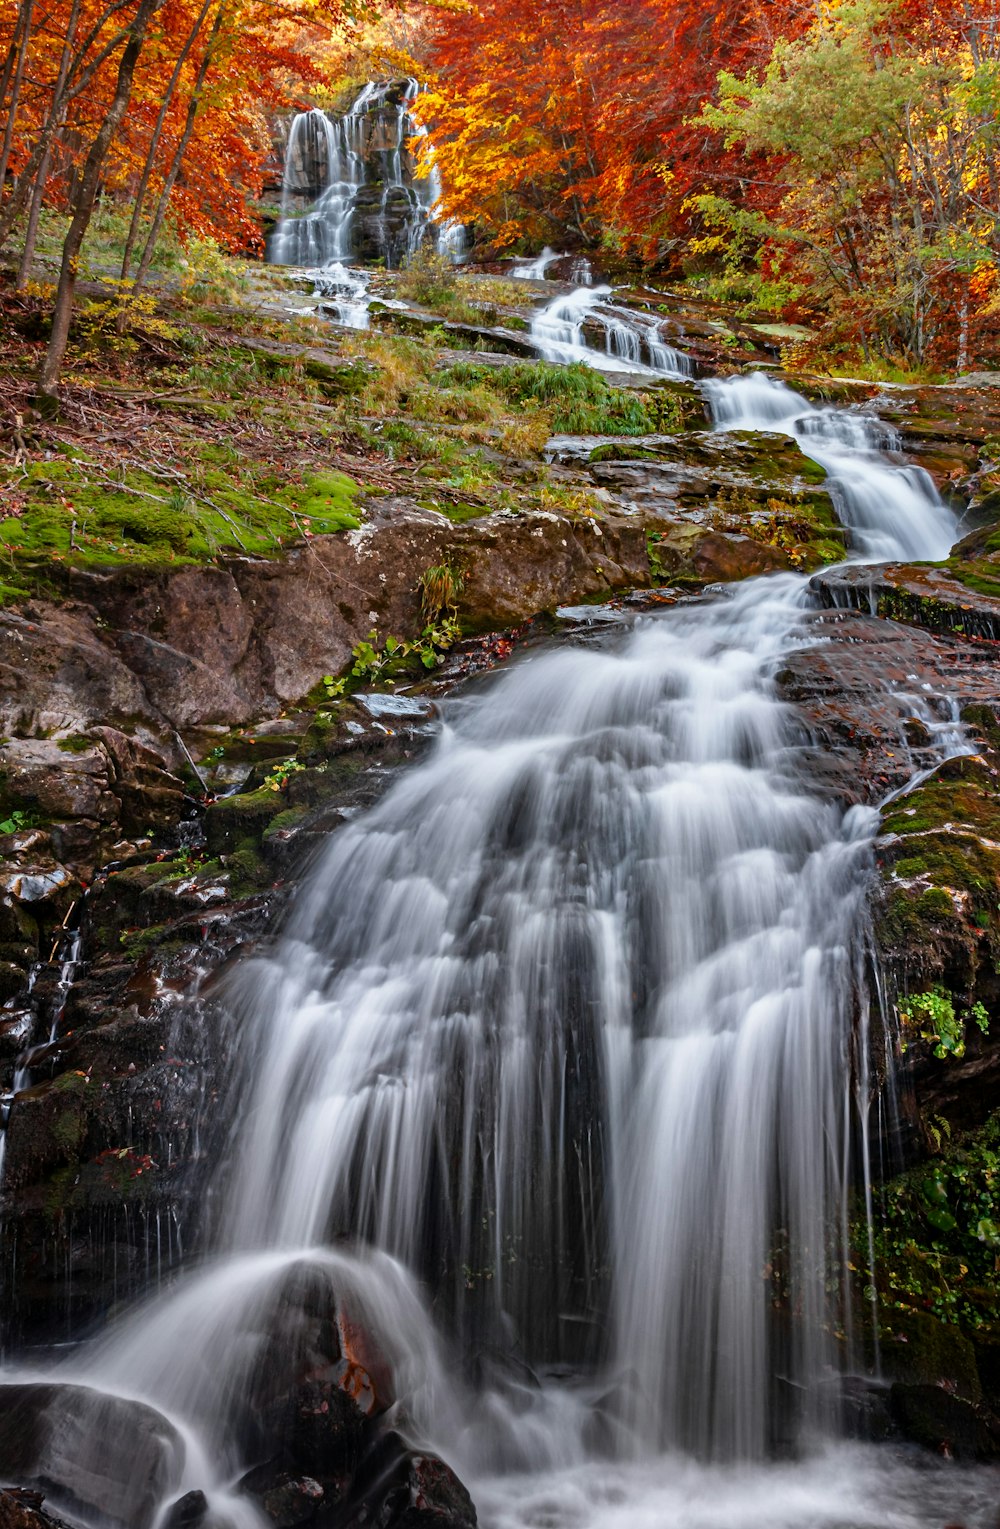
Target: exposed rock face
<point>173,650</point>
<point>21,1509</point>
<point>95,1453</point>
<point>96,696</point>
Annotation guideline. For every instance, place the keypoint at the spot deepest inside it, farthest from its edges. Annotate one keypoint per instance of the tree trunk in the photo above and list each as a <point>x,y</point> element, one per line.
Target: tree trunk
<point>962,360</point>
<point>147,169</point>
<point>48,381</point>
<point>42,175</point>
<point>175,166</point>
<point>75,83</point>
<point>15,91</point>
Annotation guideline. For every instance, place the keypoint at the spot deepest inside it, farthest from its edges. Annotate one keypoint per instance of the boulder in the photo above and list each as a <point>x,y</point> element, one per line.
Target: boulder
<point>57,674</point>
<point>918,1350</point>
<point>402,1488</point>
<point>23,1510</point>
<point>188,1512</point>
<point>59,779</point>
<point>319,1427</point>
<point>92,1453</point>
<point>945,1423</point>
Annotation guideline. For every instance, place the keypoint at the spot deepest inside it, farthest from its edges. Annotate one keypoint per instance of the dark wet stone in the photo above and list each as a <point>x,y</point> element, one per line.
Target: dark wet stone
<point>20,1509</point>
<point>866,1410</point>
<point>293,1502</point>
<point>188,1512</point>
<point>321,1428</point>
<point>945,1423</point>
<point>400,1488</point>
<point>92,1452</point>
<point>917,1349</point>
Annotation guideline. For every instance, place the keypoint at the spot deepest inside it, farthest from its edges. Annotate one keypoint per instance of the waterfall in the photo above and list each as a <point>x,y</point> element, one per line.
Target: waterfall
<point>892,510</point>
<point>632,341</point>
<point>535,269</point>
<point>351,189</point>
<point>564,1031</point>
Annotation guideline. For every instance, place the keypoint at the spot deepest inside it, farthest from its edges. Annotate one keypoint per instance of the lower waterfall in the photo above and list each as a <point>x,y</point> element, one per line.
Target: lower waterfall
<point>567,1034</point>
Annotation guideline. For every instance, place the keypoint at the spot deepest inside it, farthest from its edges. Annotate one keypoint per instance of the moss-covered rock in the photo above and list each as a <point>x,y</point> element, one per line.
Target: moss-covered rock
<point>937,1249</point>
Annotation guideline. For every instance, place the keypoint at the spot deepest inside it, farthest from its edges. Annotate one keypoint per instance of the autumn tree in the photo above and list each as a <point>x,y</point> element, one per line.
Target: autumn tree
<point>155,103</point>
<point>573,119</point>
<point>878,195</point>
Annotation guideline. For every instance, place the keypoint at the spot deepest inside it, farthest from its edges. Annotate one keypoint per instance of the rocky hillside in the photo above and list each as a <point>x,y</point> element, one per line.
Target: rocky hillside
<point>238,576</point>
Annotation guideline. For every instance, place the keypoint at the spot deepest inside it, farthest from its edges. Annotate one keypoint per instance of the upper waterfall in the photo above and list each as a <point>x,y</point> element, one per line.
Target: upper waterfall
<point>352,187</point>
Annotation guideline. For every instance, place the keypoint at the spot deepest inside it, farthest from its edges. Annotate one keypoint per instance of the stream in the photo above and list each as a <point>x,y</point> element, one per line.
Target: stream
<point>557,1038</point>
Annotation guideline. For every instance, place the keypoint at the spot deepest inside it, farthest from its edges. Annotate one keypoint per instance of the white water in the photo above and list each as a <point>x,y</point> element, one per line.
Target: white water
<point>632,340</point>
<point>563,1027</point>
<point>345,295</point>
<point>892,510</point>
<point>534,270</point>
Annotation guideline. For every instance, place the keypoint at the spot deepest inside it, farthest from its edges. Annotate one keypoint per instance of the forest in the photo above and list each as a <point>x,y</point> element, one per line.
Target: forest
<point>828,163</point>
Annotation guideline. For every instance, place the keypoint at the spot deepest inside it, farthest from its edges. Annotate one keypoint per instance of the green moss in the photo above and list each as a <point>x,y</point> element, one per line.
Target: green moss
<point>75,743</point>
<point>938,1235</point>
<point>327,500</point>
<point>919,1349</point>
<point>70,1125</point>
<point>68,516</point>
<point>59,1190</point>
<point>233,820</point>
<point>580,400</point>
<point>247,870</point>
<point>136,943</point>
<point>284,821</point>
<point>615,453</point>
<point>954,860</point>
<point>461,514</point>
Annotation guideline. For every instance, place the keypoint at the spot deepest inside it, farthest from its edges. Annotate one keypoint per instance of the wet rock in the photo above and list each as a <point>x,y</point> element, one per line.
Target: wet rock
<point>150,796</point>
<point>941,599</point>
<point>865,1409</point>
<point>287,1500</point>
<point>59,779</point>
<point>38,884</point>
<point>518,567</point>
<point>23,1510</point>
<point>945,1423</point>
<point>941,873</point>
<point>919,1350</point>
<point>11,983</point>
<point>400,1488</point>
<point>859,687</point>
<point>92,1453</point>
<point>188,1512</point>
<point>690,553</point>
<point>321,1428</point>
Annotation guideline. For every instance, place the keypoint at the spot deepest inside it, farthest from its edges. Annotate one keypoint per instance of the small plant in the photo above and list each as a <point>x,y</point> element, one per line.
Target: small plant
<point>440,588</point>
<point>373,659</point>
<point>933,1016</point>
<point>17,821</point>
<point>435,641</point>
<point>278,776</point>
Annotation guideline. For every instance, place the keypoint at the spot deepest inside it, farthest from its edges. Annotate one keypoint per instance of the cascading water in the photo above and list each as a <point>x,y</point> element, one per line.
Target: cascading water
<point>351,189</point>
<point>566,1028</point>
<point>892,510</point>
<point>632,341</point>
<point>534,270</point>
<point>344,295</point>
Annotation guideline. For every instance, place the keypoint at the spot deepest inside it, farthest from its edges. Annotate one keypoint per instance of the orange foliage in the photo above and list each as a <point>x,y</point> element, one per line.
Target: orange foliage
<point>262,53</point>
<point>556,118</point>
